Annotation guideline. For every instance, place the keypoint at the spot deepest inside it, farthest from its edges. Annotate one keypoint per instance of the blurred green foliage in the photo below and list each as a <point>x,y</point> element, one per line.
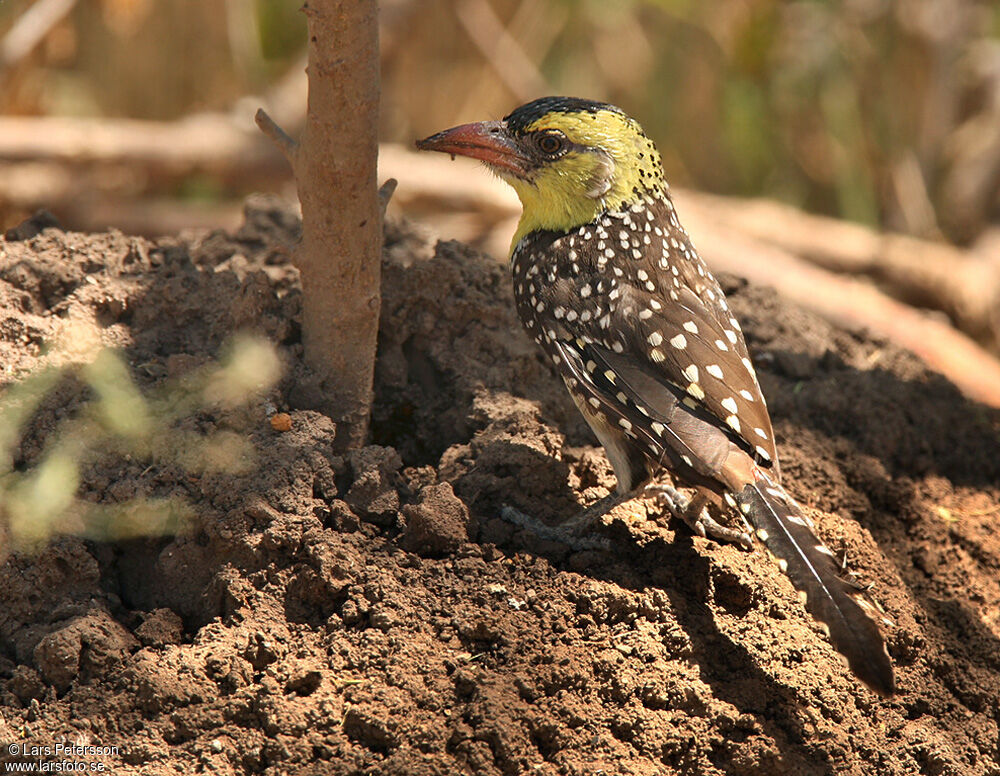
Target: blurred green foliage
<point>39,498</point>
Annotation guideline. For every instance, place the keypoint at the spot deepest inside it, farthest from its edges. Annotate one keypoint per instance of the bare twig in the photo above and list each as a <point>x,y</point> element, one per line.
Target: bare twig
<point>29,30</point>
<point>385,193</point>
<point>278,136</point>
<point>504,53</point>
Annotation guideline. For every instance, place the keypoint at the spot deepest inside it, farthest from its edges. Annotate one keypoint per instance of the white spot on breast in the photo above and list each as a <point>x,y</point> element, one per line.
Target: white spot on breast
<point>645,314</point>
<point>655,305</point>
<point>571,316</point>
<point>641,274</point>
<point>650,285</point>
<point>586,291</point>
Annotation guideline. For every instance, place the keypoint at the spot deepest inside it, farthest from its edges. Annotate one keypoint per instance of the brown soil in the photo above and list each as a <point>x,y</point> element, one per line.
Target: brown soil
<point>373,614</point>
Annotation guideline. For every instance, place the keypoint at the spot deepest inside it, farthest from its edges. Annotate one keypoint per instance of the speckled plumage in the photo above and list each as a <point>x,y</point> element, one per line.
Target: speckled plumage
<point>631,282</point>
<point>608,283</point>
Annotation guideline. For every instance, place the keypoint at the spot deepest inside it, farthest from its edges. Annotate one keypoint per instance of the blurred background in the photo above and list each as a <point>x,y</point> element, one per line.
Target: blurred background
<point>885,112</point>
<point>137,114</point>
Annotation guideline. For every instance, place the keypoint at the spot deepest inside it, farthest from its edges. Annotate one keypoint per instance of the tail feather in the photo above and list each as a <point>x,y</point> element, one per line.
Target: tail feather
<point>832,600</point>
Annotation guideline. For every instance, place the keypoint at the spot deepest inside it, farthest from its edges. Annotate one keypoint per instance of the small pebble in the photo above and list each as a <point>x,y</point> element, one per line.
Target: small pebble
<point>282,421</point>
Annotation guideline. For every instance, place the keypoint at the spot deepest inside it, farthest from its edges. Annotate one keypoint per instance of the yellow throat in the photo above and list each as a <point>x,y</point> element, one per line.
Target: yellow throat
<point>612,165</point>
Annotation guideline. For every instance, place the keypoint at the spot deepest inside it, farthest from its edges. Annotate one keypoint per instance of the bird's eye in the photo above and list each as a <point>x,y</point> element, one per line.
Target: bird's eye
<point>550,143</point>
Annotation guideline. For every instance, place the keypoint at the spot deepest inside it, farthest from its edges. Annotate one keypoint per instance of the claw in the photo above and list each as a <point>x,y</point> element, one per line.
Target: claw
<point>693,512</point>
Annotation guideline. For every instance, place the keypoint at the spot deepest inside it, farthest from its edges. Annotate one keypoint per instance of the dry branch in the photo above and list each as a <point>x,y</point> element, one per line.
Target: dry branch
<point>848,302</point>
<point>515,68</point>
<point>31,28</point>
<point>963,285</point>
<point>161,153</point>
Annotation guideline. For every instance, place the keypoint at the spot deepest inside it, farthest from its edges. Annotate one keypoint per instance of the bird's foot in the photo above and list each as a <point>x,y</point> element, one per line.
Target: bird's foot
<point>694,512</point>
<point>580,532</point>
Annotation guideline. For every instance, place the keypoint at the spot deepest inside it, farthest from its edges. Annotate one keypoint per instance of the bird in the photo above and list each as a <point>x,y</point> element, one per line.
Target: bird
<point>609,284</point>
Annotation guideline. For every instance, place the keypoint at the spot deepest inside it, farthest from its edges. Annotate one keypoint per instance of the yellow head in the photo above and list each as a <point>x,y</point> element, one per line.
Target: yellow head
<point>569,160</point>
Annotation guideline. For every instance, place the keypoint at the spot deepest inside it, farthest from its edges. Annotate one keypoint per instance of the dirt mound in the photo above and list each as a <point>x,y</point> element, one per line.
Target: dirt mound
<point>374,613</point>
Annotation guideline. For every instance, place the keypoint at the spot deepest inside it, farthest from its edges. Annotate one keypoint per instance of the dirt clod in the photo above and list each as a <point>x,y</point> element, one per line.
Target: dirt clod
<point>438,523</point>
